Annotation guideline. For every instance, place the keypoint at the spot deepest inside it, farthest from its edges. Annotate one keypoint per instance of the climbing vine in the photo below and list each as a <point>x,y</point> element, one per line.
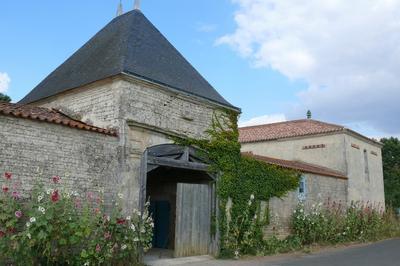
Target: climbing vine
<point>243,184</point>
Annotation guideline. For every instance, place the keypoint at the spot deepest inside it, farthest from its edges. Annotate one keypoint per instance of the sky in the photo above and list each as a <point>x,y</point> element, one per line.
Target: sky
<point>275,59</point>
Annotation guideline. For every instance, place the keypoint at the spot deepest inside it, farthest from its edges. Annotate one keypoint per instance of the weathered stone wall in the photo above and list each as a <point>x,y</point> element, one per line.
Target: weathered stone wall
<point>144,114</point>
<point>366,187</point>
<point>35,151</point>
<point>319,189</point>
<point>332,155</point>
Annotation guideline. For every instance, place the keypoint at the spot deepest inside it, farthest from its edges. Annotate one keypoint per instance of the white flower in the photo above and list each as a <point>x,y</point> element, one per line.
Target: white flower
<point>133,227</point>
<point>152,225</point>
<point>40,198</point>
<point>86,264</point>
<point>301,210</point>
<point>120,195</point>
<point>252,197</point>
<point>28,224</point>
<point>123,247</point>
<point>42,210</point>
<point>29,235</point>
<point>136,239</point>
<point>142,231</point>
<point>237,254</point>
<point>49,191</point>
<point>76,194</point>
<point>250,202</point>
<point>255,217</point>
<point>108,218</point>
<point>320,204</point>
<point>32,219</point>
<point>294,211</point>
<point>313,206</point>
<point>128,218</point>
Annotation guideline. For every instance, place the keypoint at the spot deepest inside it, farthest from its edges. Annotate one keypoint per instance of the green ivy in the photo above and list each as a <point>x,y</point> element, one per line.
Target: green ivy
<point>240,177</point>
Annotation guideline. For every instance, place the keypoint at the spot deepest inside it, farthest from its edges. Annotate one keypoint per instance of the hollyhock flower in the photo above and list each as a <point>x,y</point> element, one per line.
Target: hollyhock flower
<point>5,189</point>
<point>56,179</point>
<point>15,195</point>
<point>128,218</point>
<point>29,235</point>
<point>90,195</point>
<point>97,210</point>
<point>107,235</point>
<point>32,220</point>
<point>133,227</point>
<point>2,234</point>
<point>123,247</point>
<point>40,197</point>
<point>120,195</point>
<point>136,239</point>
<point>7,175</point>
<point>18,214</point>
<point>28,224</point>
<point>252,197</point>
<point>121,221</point>
<point>98,248</point>
<point>42,210</point>
<point>55,196</point>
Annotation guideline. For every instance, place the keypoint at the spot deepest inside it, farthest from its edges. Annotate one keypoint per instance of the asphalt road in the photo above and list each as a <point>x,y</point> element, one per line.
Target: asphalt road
<point>385,253</point>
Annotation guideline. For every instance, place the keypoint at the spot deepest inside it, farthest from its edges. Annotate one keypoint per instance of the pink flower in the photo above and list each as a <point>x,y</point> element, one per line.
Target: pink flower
<point>7,175</point>
<point>15,195</point>
<point>18,214</point>
<point>2,234</point>
<point>5,189</point>
<point>56,179</point>
<point>98,248</point>
<point>121,221</point>
<point>55,196</point>
<point>107,235</point>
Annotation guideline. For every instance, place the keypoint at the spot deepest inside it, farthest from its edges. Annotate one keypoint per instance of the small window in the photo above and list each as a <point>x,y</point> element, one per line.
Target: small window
<point>366,166</point>
<point>302,188</point>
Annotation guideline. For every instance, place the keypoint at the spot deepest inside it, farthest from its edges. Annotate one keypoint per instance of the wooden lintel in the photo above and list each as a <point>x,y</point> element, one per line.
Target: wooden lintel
<point>178,164</point>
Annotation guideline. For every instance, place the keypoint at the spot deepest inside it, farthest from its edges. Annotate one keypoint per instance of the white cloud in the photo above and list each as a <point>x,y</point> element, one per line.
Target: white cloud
<point>4,82</point>
<point>265,119</point>
<point>347,51</point>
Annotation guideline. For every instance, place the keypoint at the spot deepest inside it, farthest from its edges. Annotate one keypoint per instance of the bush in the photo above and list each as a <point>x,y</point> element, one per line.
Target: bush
<point>334,223</point>
<point>54,226</point>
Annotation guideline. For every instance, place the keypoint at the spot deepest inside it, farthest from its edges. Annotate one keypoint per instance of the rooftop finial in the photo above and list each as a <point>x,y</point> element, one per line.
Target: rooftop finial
<point>137,5</point>
<point>120,9</point>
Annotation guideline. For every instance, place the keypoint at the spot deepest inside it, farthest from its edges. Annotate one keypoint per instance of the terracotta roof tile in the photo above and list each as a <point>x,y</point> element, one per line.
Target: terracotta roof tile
<point>49,116</point>
<point>299,166</point>
<point>286,130</point>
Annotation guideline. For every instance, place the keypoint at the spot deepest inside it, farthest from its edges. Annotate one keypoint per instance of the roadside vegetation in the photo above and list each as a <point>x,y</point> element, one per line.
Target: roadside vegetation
<point>391,171</point>
<point>52,226</point>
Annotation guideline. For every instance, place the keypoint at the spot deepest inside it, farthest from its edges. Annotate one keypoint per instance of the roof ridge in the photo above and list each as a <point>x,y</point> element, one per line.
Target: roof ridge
<point>293,121</point>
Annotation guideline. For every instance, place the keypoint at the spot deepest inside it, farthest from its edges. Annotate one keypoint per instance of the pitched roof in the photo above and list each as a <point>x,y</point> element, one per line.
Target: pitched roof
<point>287,129</point>
<point>129,44</point>
<point>49,116</point>
<point>299,166</point>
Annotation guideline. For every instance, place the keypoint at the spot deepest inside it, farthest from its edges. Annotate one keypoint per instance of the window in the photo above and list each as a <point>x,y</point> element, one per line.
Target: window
<point>366,166</point>
<point>302,189</point>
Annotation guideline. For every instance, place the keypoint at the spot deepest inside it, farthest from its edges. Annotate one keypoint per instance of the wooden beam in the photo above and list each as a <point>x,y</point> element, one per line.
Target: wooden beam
<point>178,164</point>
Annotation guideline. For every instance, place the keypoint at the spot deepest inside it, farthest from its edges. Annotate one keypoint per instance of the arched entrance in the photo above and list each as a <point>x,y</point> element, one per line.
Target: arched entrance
<point>181,190</point>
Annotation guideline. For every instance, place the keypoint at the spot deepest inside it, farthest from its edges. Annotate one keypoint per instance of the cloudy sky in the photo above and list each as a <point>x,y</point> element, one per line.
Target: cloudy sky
<point>273,58</point>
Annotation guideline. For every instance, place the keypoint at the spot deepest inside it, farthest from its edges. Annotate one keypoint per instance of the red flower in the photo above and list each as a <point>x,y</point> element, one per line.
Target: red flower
<point>98,248</point>
<point>55,196</point>
<point>5,189</point>
<point>107,235</point>
<point>2,234</point>
<point>7,175</point>
<point>121,221</point>
<point>56,179</point>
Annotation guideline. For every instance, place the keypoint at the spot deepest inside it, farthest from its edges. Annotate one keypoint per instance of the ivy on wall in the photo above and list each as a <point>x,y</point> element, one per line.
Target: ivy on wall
<point>243,181</point>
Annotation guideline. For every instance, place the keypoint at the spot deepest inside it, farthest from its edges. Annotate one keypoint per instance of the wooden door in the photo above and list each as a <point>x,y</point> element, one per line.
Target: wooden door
<point>193,220</point>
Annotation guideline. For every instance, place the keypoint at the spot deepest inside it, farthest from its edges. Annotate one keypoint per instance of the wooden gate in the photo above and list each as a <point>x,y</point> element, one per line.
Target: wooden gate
<point>193,220</point>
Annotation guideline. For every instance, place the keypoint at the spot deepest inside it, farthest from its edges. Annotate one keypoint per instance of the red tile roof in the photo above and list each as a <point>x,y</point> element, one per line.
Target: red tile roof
<point>299,166</point>
<point>286,130</point>
<point>49,116</point>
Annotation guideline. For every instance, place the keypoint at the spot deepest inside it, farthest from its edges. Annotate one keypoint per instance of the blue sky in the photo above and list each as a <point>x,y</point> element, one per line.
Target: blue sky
<point>247,66</point>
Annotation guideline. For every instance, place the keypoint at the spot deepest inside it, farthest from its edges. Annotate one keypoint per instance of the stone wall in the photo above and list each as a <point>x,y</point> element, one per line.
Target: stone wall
<point>35,151</point>
<point>365,186</point>
<point>330,155</point>
<point>144,114</point>
<point>319,189</point>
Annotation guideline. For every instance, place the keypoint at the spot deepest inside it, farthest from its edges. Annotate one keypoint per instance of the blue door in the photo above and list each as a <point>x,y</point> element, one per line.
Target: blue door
<point>161,213</point>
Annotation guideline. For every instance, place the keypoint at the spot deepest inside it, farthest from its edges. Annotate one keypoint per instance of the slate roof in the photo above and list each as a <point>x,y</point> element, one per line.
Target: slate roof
<point>49,116</point>
<point>287,129</point>
<point>129,44</point>
<point>299,166</point>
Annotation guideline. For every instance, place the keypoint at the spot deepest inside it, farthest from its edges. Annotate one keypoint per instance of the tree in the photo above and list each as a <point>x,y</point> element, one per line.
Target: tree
<point>391,170</point>
<point>309,114</point>
<point>4,98</point>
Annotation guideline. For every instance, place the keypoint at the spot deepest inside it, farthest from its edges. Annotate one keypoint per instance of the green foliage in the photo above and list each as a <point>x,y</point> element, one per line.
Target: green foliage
<point>391,171</point>
<point>4,98</point>
<point>56,227</point>
<point>239,178</point>
<point>334,223</point>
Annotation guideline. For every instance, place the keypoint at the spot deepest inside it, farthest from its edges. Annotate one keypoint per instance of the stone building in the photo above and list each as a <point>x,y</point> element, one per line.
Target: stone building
<point>106,119</point>
<point>338,164</point>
